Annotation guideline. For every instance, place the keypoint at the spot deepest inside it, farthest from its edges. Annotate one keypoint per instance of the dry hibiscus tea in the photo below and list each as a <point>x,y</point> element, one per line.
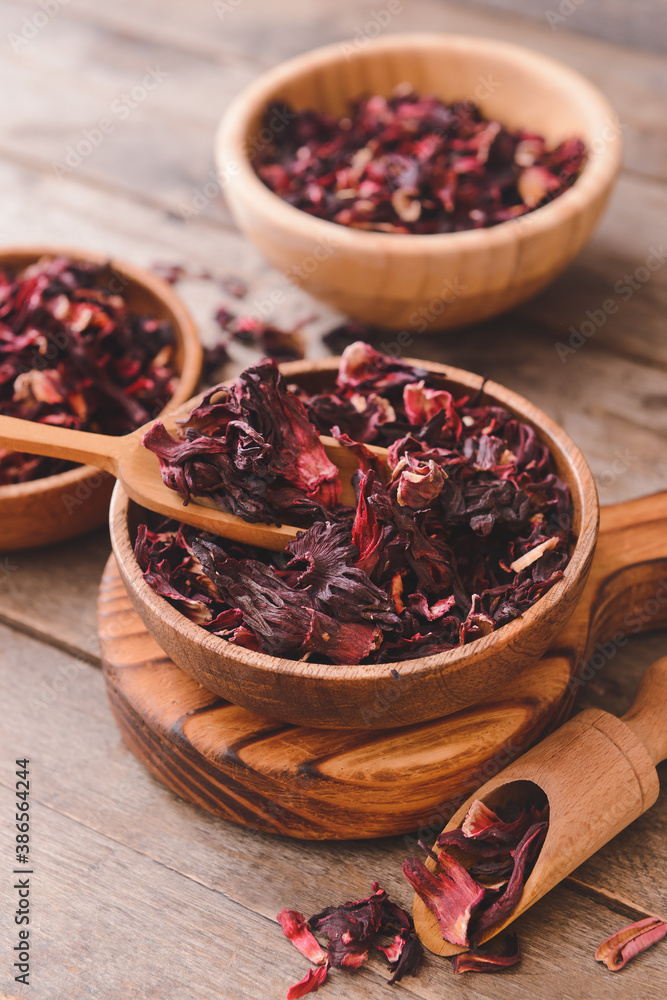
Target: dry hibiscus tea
<point>480,871</point>
<point>74,355</point>
<point>412,164</point>
<point>351,932</point>
<point>462,530</point>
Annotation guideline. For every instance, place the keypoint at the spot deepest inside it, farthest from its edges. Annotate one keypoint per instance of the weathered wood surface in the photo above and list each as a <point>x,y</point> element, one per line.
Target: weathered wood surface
<point>129,873</point>
<point>119,855</point>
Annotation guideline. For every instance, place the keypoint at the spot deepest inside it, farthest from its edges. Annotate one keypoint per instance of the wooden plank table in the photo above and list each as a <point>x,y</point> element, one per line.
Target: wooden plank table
<point>135,893</point>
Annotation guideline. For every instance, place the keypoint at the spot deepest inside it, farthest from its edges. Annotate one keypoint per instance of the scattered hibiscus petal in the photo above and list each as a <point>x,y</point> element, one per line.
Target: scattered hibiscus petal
<point>312,981</point>
<point>296,930</point>
<point>618,949</point>
<point>351,930</point>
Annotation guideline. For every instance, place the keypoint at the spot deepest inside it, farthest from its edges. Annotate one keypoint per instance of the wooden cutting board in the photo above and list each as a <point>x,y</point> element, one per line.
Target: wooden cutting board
<point>322,784</point>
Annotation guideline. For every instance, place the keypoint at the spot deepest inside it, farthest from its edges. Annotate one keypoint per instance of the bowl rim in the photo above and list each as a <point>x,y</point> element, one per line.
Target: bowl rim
<point>185,331</point>
<point>581,483</point>
<point>599,171</point>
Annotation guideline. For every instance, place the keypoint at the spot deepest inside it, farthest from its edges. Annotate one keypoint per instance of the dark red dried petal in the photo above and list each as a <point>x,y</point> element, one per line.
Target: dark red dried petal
<point>404,955</point>
<point>505,904</point>
<point>451,895</point>
<point>482,961</point>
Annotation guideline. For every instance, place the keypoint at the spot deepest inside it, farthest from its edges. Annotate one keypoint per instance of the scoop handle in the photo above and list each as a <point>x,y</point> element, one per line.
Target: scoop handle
<point>100,450</point>
<point>648,716</point>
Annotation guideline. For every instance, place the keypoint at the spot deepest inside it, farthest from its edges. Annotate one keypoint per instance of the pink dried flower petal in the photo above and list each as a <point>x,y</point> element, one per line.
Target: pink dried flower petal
<point>535,183</point>
<point>393,950</point>
<point>618,949</point>
<point>478,818</point>
<point>312,981</point>
<point>296,930</point>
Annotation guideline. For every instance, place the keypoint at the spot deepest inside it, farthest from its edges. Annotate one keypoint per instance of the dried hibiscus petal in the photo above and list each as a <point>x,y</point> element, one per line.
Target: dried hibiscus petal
<point>296,930</point>
<point>312,981</point>
<point>524,855</point>
<point>617,950</point>
<point>452,895</point>
<point>484,961</point>
<point>404,955</point>
<point>241,444</point>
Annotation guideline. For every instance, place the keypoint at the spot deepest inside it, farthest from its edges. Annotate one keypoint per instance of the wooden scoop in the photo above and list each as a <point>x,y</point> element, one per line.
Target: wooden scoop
<point>598,773</point>
<point>138,470</point>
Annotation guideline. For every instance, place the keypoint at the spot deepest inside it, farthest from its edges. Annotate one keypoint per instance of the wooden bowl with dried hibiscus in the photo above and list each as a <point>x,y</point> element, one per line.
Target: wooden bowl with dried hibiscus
<point>88,343</point>
<point>458,563</point>
<point>420,181</point>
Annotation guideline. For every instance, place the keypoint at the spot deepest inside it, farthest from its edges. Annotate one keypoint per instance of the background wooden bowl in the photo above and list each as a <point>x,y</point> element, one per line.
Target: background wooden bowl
<point>54,508</point>
<point>374,696</point>
<point>455,278</point>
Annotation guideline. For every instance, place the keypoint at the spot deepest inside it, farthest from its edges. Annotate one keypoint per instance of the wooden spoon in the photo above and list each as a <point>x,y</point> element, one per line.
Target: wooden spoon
<point>138,470</point>
<point>598,773</point>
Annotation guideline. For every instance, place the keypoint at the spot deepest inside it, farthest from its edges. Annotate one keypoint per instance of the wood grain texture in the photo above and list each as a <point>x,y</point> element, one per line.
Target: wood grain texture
<point>397,281</point>
<point>369,695</point>
<point>59,507</point>
<point>336,784</point>
<point>588,805</point>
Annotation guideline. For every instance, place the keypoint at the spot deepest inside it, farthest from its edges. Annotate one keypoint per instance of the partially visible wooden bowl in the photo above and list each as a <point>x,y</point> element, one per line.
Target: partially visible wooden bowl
<point>408,282</point>
<point>58,507</point>
<point>374,696</point>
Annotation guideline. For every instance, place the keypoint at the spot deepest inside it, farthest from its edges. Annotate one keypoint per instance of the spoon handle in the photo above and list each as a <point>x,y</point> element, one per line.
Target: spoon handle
<point>100,450</point>
<point>648,716</point>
